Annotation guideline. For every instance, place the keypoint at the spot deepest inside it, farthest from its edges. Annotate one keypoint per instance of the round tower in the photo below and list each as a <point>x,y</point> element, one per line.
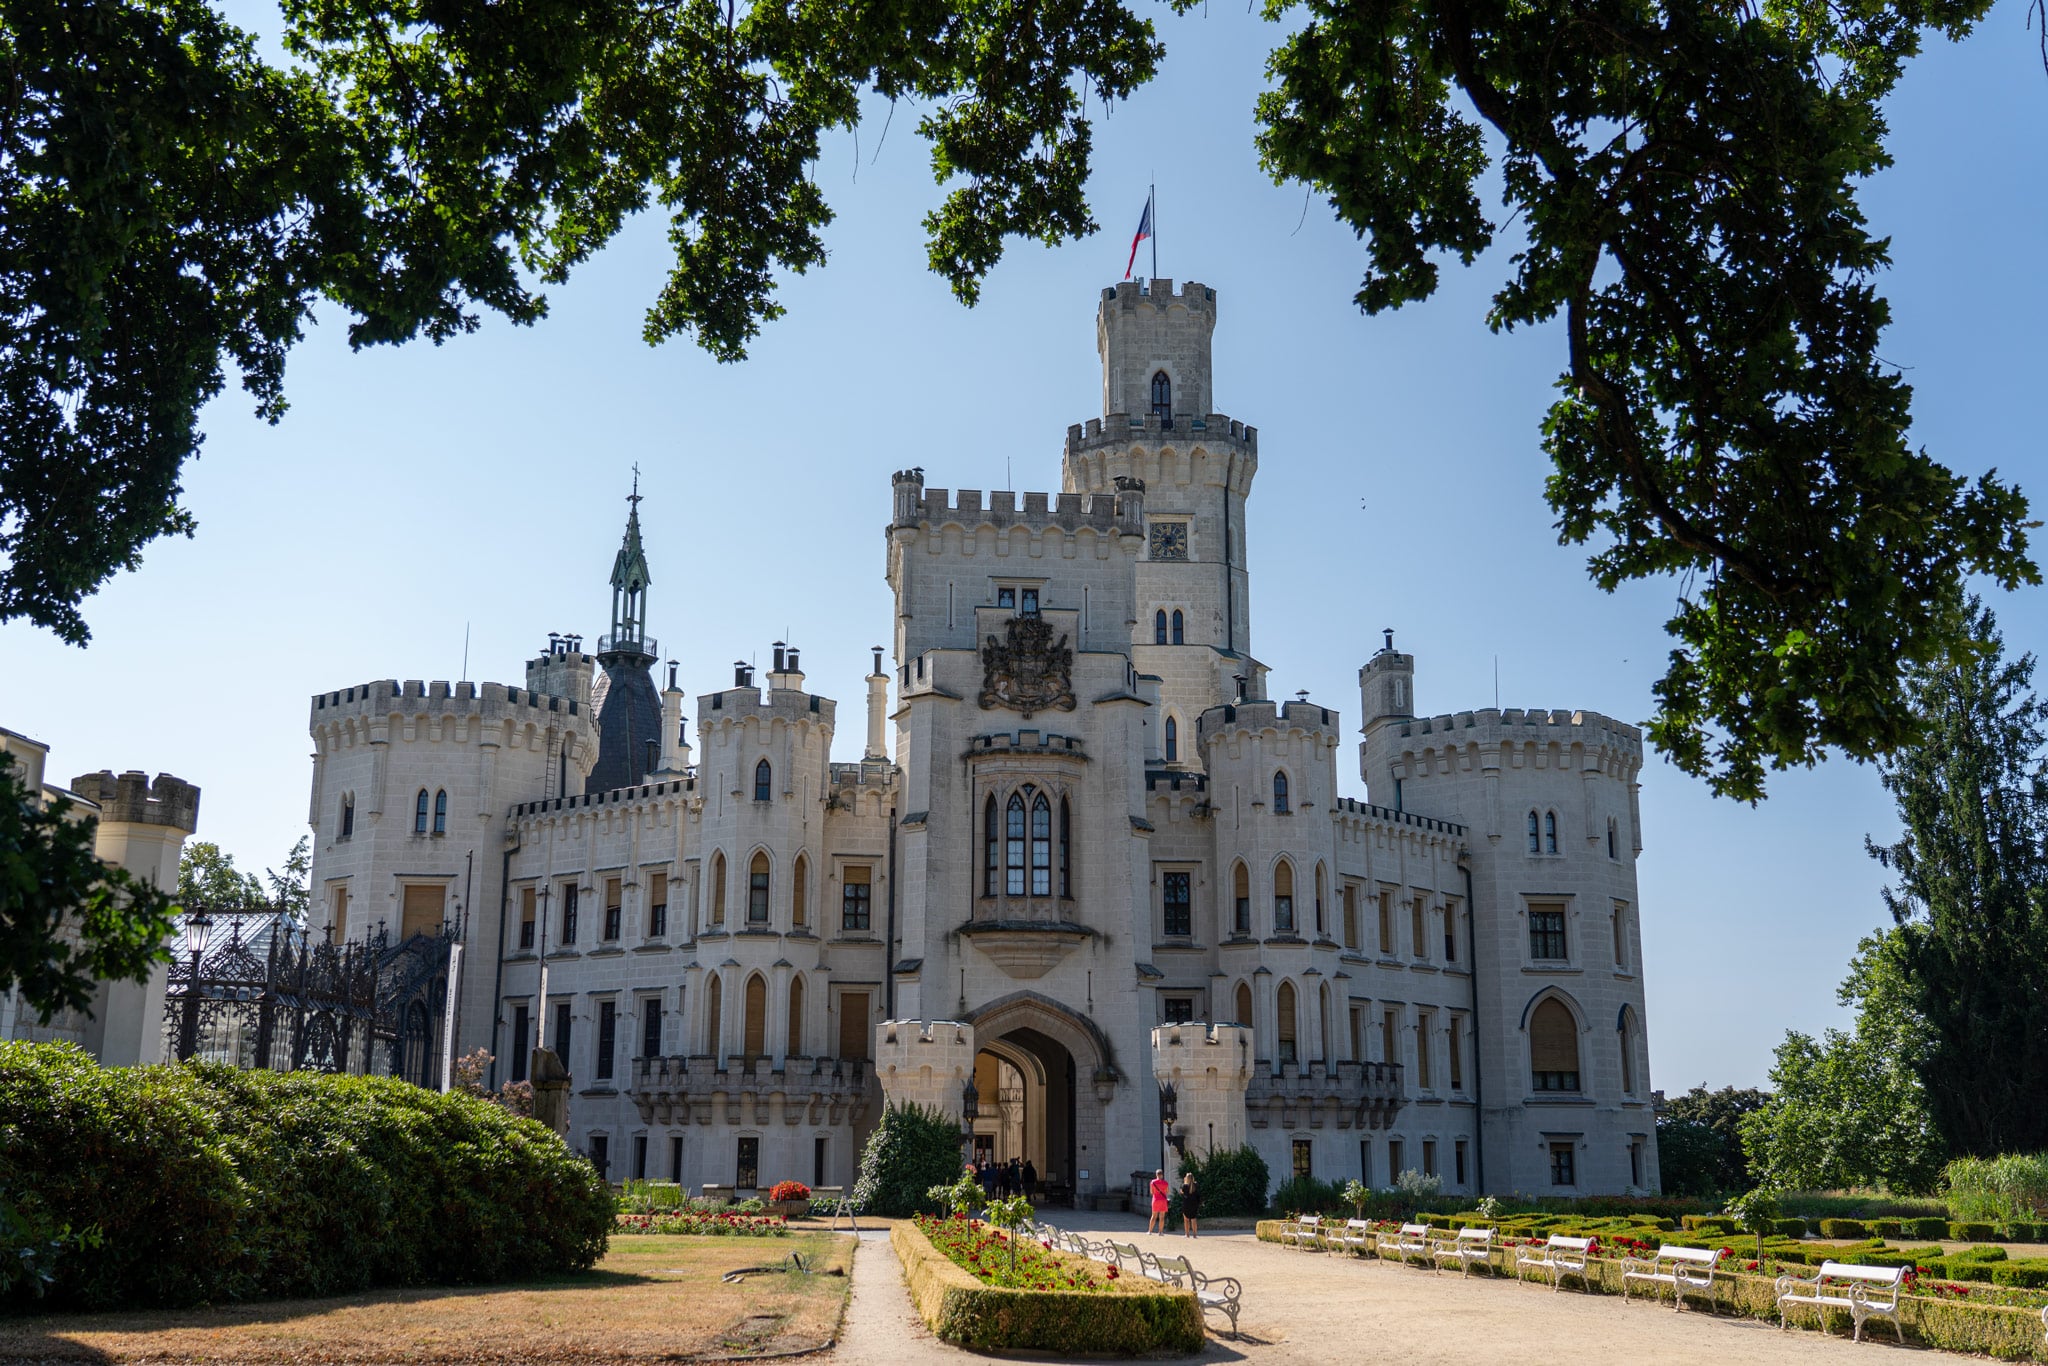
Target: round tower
<point>1159,431</point>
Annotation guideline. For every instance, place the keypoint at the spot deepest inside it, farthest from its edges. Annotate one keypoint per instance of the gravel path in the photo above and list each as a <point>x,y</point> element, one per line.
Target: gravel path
<point>1308,1307</point>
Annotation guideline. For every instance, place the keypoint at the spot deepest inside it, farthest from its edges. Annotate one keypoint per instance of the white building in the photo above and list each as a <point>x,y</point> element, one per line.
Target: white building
<point>140,826</point>
<point>1090,821</point>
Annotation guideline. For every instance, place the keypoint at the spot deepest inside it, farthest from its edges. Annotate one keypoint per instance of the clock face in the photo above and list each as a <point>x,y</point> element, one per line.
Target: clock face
<point>1169,540</point>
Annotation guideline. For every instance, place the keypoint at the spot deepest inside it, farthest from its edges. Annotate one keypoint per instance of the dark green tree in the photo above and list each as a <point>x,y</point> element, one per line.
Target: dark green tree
<point>1699,1140</point>
<point>207,877</point>
<point>1851,1108</point>
<point>1971,902</point>
<point>1685,174</point>
<point>67,920</point>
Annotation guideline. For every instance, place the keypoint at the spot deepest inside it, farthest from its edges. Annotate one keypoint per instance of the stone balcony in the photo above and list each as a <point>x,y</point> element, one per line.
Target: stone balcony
<point>750,1091</point>
<point>1336,1095</point>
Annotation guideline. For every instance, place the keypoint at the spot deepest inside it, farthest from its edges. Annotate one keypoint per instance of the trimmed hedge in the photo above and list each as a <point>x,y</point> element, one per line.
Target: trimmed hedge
<point>1844,1228</point>
<point>210,1184</point>
<point>1988,1330</point>
<point>1971,1233</point>
<point>1130,1317</point>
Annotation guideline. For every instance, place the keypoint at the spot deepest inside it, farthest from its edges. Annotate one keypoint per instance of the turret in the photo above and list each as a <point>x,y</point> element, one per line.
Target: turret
<point>629,713</point>
<point>1146,334</point>
<point>1386,685</point>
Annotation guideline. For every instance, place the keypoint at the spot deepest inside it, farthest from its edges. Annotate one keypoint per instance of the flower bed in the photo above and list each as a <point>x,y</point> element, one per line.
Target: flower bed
<point>1938,1309</point>
<point>958,1272</point>
<point>714,1224</point>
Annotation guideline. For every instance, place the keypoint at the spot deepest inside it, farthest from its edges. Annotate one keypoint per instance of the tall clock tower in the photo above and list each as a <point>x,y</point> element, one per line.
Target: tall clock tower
<point>1193,620</point>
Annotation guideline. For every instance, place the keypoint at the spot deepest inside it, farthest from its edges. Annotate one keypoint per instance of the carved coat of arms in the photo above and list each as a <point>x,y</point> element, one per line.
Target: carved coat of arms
<point>1029,671</point>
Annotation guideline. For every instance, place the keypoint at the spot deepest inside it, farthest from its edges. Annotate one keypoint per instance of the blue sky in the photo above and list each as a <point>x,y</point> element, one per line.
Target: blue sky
<point>413,494</point>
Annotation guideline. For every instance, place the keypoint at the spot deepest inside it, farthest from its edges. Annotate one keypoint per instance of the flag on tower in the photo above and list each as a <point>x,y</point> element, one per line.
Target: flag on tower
<point>1144,231</point>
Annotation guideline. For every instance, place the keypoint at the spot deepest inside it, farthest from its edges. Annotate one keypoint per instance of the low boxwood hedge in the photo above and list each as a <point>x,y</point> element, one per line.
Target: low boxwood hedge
<point>1130,1317</point>
<point>1971,1233</point>
<point>1983,1329</point>
<point>1844,1228</point>
<point>206,1184</point>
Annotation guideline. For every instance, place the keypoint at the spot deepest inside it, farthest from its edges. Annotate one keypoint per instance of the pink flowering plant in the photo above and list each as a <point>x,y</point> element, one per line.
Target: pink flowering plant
<point>1000,1259</point>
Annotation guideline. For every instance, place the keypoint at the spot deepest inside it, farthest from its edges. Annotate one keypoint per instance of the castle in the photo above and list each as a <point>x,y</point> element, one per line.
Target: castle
<point>1083,856</point>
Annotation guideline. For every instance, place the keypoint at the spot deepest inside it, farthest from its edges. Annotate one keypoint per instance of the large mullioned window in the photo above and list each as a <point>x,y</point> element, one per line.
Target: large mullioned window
<point>1019,854</point>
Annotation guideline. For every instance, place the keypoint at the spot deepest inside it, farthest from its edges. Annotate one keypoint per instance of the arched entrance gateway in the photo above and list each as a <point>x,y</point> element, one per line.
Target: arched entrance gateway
<point>1042,1077</point>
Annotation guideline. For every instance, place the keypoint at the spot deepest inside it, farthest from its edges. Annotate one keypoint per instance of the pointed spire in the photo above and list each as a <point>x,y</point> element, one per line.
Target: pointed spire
<point>629,570</point>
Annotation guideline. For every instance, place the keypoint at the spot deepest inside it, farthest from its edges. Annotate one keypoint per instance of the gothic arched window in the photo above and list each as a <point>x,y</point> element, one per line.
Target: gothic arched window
<point>754,1018</point>
<point>1613,846</point>
<point>1288,1023</point>
<point>1172,741</point>
<point>799,892</point>
<point>757,890</point>
<point>1283,898</point>
<point>764,781</point>
<point>419,813</point>
<point>1159,627</point>
<point>1244,1004</point>
<point>1013,851</point>
<point>1162,396</point>
<point>348,815</point>
<point>441,812</point>
<point>714,1007</point>
<point>991,856</point>
<point>1535,842</point>
<point>1280,806</point>
<point>1041,846</point>
<point>1553,1048</point>
<point>1550,832</point>
<point>1179,629</point>
<point>796,1018</point>
<point>1241,905</point>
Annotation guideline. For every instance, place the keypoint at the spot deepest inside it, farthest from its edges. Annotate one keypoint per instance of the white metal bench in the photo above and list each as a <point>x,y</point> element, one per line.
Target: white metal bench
<point>1355,1236</point>
<point>1222,1293</point>
<point>1557,1258</point>
<point>1305,1231</point>
<point>1411,1241</point>
<point>1681,1268</point>
<point>1471,1245</point>
<point>1865,1291</point>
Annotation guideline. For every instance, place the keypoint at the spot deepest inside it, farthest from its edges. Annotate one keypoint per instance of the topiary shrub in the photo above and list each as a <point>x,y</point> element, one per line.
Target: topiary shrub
<point>2029,1273</point>
<point>205,1184</point>
<point>1711,1223</point>
<point>1844,1228</point>
<point>912,1149</point>
<point>1233,1181</point>
<point>1926,1228</point>
<point>1305,1195</point>
<point>1789,1228</point>
<point>1971,1233</point>
<point>1889,1228</point>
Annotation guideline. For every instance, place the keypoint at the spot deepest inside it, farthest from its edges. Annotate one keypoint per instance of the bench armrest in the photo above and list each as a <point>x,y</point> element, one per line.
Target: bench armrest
<point>1787,1284</point>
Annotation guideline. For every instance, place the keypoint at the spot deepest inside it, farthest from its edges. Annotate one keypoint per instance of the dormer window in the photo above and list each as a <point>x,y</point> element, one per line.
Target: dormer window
<point>1162,399</point>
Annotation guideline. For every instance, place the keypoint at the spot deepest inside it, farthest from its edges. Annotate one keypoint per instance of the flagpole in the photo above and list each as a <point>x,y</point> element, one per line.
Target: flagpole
<point>1152,202</point>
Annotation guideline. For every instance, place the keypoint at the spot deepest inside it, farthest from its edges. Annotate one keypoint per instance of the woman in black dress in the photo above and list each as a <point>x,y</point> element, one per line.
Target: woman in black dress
<point>1190,1205</point>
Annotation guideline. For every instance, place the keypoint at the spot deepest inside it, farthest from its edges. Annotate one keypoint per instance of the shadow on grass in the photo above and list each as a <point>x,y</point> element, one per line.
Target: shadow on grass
<point>36,1338</point>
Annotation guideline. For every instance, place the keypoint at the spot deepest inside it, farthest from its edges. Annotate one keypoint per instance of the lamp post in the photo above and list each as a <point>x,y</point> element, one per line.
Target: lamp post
<point>198,927</point>
<point>1169,1111</point>
<point>970,1109</point>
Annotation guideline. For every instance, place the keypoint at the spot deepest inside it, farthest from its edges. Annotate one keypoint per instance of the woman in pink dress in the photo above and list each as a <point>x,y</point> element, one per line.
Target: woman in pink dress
<point>1161,1193</point>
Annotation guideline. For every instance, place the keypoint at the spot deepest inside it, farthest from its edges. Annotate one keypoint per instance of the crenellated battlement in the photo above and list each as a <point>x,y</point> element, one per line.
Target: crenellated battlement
<point>1363,812</point>
<point>1265,715</point>
<point>1489,726</point>
<point>738,706</point>
<point>1118,513</point>
<point>642,795</point>
<point>1027,741</point>
<point>1215,430</point>
<point>133,798</point>
<point>388,696</point>
<point>1159,295</point>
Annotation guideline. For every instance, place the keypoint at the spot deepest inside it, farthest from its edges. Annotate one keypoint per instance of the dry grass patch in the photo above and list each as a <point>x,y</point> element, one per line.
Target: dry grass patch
<point>651,1298</point>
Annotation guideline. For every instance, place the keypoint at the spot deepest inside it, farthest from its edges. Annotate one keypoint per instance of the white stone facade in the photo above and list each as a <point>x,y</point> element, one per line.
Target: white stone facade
<point>1095,824</point>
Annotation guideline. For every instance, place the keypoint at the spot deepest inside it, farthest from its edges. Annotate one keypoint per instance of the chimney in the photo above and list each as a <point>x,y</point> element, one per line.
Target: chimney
<point>878,710</point>
<point>672,725</point>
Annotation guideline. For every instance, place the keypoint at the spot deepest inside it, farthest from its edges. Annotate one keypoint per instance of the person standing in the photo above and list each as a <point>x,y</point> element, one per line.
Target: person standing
<point>1030,1179</point>
<point>1190,1205</point>
<point>1162,1195</point>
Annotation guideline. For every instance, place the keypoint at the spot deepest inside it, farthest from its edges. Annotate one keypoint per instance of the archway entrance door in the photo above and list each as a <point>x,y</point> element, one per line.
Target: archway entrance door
<point>1028,1107</point>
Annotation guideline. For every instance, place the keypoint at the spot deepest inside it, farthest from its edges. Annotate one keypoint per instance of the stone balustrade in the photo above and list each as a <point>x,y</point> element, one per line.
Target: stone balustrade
<point>751,1091</point>
<point>1339,1095</point>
